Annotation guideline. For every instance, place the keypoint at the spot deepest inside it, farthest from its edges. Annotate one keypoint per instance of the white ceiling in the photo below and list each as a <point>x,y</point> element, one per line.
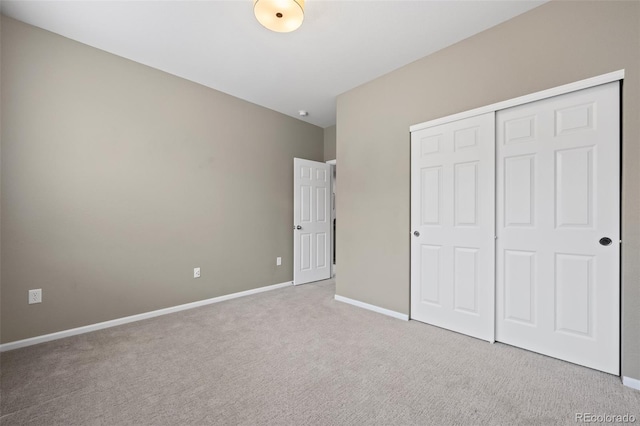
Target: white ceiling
<point>341,44</point>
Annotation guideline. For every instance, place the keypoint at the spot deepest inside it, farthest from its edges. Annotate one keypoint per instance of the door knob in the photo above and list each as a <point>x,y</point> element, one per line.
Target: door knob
<point>605,241</point>
<point>416,233</point>
<point>298,227</point>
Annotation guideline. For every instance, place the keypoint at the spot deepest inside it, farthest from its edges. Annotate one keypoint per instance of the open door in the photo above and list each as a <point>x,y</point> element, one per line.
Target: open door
<point>312,221</point>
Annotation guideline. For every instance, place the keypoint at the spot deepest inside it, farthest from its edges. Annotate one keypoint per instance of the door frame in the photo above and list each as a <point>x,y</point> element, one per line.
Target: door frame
<point>533,97</point>
<point>333,163</point>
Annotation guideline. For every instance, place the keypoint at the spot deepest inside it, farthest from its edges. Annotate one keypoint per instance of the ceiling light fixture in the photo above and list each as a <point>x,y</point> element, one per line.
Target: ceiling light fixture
<point>281,16</point>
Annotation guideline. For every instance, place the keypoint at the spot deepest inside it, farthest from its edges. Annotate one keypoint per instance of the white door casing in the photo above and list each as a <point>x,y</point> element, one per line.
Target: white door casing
<point>312,221</point>
<point>558,194</point>
<point>452,225</point>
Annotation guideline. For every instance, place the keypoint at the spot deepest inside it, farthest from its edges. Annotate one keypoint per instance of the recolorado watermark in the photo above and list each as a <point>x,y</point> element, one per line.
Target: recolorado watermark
<point>605,418</point>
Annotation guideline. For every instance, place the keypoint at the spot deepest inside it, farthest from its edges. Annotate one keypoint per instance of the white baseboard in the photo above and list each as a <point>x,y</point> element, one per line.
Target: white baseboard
<point>373,308</point>
<point>125,320</point>
<point>632,383</point>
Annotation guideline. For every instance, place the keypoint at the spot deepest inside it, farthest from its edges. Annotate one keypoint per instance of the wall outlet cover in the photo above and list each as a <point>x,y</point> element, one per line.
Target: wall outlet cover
<point>278,261</point>
<point>35,296</point>
<point>196,272</point>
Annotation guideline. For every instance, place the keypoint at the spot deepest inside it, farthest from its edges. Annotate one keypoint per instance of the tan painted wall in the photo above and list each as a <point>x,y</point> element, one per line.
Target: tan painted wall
<point>0,183</point>
<point>118,180</point>
<point>554,44</point>
<point>330,143</point>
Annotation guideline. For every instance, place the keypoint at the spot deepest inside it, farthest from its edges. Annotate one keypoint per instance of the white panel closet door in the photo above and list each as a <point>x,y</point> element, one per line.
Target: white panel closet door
<point>558,183</point>
<point>452,225</point>
<point>312,221</point>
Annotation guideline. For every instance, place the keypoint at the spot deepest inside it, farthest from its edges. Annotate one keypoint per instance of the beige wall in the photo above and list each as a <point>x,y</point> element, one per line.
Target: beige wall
<point>118,180</point>
<point>0,182</point>
<point>554,44</point>
<point>330,143</point>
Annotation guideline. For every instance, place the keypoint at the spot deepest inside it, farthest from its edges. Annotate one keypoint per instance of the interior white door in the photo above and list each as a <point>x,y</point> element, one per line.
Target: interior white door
<point>558,202</point>
<point>452,225</point>
<point>312,221</point>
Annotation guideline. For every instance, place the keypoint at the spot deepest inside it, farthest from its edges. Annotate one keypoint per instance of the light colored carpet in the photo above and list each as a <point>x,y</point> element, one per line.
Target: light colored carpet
<point>295,357</point>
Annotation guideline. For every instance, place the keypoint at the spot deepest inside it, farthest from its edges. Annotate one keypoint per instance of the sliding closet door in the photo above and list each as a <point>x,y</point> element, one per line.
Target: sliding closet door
<point>452,226</point>
<point>558,210</point>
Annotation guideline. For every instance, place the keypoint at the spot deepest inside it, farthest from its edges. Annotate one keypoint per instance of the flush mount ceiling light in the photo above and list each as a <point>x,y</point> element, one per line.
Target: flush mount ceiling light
<point>281,16</point>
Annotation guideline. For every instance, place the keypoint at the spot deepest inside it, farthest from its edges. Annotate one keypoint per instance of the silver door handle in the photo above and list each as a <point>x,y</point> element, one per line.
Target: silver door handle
<point>416,233</point>
<point>297,227</point>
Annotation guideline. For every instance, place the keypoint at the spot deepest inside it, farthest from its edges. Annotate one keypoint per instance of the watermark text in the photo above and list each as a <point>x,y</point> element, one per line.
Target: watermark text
<point>604,418</point>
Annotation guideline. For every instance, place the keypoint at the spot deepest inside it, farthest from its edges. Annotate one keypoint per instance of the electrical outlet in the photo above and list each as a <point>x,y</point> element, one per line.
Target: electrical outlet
<point>35,296</point>
<point>278,261</point>
<point>196,272</point>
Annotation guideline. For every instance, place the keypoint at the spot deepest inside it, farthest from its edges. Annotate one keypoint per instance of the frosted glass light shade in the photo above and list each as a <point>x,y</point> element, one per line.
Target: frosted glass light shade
<point>282,16</point>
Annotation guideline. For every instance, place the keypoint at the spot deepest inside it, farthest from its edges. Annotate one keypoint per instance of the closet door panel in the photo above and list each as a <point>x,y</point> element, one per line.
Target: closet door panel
<point>558,206</point>
<point>452,225</point>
